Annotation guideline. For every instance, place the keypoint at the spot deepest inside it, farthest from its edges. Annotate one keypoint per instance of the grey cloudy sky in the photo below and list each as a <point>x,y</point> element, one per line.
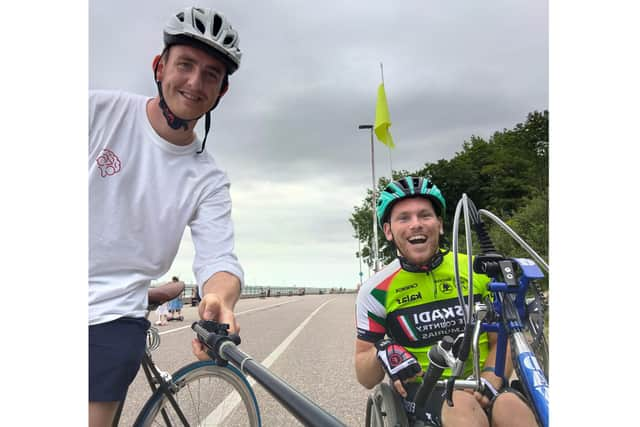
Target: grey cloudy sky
<point>286,132</point>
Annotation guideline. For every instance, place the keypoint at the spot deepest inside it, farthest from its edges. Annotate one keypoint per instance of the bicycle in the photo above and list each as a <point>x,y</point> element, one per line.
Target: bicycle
<point>514,316</point>
<point>214,392</point>
<point>201,393</point>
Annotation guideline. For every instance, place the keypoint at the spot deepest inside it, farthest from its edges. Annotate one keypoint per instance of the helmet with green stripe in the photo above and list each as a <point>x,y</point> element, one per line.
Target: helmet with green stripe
<point>408,187</point>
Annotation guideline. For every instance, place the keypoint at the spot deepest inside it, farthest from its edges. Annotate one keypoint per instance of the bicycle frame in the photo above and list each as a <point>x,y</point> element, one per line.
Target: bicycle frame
<point>155,378</point>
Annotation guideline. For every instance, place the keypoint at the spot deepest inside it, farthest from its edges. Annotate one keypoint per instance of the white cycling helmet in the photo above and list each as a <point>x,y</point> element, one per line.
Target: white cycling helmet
<point>208,29</point>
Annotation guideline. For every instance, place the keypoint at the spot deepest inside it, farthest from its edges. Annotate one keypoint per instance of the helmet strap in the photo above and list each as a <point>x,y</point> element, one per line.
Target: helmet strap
<point>207,126</point>
<point>176,122</point>
<point>173,121</point>
<point>433,263</point>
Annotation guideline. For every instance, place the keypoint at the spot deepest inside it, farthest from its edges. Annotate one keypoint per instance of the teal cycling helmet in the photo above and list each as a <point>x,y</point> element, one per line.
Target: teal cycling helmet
<point>408,187</point>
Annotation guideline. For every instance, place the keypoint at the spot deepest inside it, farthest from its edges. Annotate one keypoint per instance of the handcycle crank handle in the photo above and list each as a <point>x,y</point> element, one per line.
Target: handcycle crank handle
<point>437,364</point>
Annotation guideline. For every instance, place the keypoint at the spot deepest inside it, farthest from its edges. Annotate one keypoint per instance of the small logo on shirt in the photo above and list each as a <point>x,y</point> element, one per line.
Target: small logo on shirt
<point>108,163</point>
<point>445,288</point>
<point>409,298</point>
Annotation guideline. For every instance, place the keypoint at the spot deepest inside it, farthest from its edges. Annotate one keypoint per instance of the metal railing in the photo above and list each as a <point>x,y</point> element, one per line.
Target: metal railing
<point>274,291</point>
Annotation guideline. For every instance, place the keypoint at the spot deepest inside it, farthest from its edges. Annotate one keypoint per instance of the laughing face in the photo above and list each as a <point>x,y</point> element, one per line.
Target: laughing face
<point>415,229</point>
<point>191,81</point>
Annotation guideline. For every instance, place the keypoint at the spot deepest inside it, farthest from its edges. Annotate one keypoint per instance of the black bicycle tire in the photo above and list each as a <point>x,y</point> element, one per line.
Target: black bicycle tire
<point>536,338</point>
<point>367,418</point>
<point>539,346</point>
<point>198,370</point>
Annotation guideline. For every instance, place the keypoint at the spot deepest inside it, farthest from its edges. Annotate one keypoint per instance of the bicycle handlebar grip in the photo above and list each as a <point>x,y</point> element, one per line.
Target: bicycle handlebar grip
<point>437,364</point>
<point>201,332</point>
<point>465,346</point>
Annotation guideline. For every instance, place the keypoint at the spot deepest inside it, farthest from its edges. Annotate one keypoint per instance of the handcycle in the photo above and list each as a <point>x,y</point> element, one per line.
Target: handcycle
<point>515,311</point>
<point>214,392</point>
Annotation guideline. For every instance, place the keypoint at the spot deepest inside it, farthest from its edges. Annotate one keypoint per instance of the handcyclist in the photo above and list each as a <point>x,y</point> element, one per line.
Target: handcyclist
<point>411,303</point>
<point>138,212</point>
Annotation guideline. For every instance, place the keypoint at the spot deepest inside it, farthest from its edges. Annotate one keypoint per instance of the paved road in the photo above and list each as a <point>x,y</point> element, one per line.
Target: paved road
<point>318,362</point>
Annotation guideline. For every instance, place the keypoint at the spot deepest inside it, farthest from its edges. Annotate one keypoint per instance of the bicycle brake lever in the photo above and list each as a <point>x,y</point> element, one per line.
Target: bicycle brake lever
<point>235,338</point>
<point>449,391</point>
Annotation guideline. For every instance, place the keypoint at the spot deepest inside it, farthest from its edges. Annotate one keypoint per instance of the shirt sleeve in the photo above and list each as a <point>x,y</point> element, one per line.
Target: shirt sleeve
<point>370,315</point>
<point>213,237</point>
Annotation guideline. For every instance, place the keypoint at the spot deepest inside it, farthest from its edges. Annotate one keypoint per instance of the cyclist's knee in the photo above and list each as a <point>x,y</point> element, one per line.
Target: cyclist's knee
<point>465,412</point>
<point>509,409</point>
<point>101,414</point>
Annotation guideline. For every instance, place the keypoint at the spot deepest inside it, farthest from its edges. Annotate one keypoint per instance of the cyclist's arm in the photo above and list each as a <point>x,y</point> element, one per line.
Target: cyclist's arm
<point>221,292</point>
<point>369,371</point>
<point>490,362</point>
<point>225,285</point>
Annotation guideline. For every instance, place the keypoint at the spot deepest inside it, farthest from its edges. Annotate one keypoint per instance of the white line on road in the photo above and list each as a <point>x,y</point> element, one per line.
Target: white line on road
<point>237,314</point>
<point>233,399</point>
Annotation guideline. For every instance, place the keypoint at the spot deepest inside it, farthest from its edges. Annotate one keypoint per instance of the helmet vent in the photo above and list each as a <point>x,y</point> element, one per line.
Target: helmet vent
<point>180,16</point>
<point>228,40</point>
<point>199,25</point>
<point>217,24</point>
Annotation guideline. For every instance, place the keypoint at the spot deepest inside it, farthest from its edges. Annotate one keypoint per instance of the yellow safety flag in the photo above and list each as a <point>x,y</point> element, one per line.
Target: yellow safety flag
<point>382,123</point>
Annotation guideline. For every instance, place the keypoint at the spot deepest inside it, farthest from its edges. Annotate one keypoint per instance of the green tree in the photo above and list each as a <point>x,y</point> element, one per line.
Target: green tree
<point>507,175</point>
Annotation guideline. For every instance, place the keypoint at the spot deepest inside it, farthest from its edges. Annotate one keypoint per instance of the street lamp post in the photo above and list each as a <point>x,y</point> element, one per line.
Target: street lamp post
<point>373,202</point>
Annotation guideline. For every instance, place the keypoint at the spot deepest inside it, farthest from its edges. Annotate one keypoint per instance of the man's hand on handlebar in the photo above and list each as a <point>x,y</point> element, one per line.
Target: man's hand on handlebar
<point>212,307</point>
<point>492,384</point>
<point>398,362</point>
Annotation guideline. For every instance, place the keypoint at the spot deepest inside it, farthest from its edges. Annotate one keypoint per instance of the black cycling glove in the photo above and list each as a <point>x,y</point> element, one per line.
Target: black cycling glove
<point>396,360</point>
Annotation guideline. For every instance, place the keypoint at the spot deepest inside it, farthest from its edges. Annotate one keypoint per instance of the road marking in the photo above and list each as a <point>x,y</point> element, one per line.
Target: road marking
<point>230,402</point>
<point>237,314</point>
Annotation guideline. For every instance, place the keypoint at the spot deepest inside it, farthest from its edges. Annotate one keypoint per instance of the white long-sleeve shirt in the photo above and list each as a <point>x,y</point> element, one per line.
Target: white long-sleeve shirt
<point>143,193</point>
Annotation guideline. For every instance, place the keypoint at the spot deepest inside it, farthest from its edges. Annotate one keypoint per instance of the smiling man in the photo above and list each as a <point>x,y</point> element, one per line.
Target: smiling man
<point>149,179</point>
<point>412,303</point>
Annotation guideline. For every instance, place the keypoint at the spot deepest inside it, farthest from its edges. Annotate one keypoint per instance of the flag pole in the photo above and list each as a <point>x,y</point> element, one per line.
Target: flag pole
<point>388,148</point>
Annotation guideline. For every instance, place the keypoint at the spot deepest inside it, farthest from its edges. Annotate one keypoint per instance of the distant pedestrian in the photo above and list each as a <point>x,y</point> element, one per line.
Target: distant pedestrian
<point>162,312</point>
<point>175,305</point>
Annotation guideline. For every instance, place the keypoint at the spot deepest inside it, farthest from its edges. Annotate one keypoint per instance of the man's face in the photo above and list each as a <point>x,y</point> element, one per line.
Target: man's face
<point>415,228</point>
<point>191,81</point>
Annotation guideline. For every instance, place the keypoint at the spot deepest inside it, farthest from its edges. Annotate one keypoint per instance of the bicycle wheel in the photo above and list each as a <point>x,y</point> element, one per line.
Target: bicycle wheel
<point>208,395</point>
<point>535,333</point>
<point>384,408</point>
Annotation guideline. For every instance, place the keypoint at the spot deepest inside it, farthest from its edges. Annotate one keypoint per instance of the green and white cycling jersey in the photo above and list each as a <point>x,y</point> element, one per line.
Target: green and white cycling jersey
<point>417,309</point>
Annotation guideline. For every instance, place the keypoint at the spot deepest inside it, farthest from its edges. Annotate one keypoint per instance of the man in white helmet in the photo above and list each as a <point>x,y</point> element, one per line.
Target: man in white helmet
<point>138,212</point>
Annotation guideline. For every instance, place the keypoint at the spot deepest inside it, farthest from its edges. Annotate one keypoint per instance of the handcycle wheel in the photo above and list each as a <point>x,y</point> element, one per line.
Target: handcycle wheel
<point>534,331</point>
<point>208,395</point>
<point>385,409</point>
